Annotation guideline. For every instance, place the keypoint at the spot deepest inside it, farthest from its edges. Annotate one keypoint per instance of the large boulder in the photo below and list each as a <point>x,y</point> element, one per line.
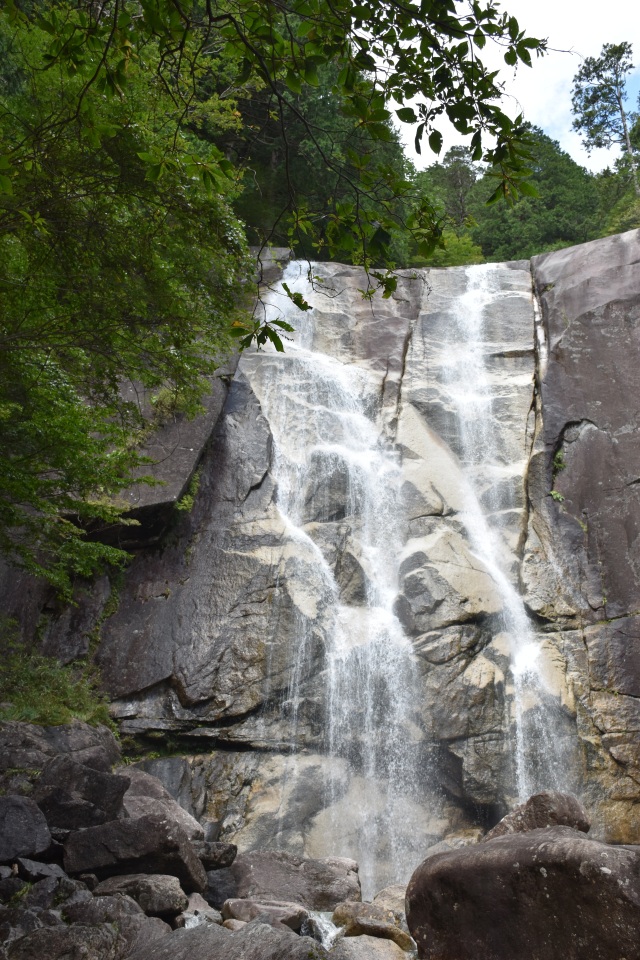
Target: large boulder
<point>150,844</point>
<point>158,895</point>
<point>25,748</point>
<point>136,929</point>
<point>317,884</point>
<point>547,809</point>
<point>73,795</point>
<point>146,795</point>
<point>367,948</point>
<point>549,894</point>
<point>23,829</point>
<point>77,942</point>
<point>255,941</point>
<point>291,915</point>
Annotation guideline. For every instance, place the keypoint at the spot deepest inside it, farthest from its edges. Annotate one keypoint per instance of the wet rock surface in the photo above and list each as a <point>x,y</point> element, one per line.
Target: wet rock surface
<point>205,641</point>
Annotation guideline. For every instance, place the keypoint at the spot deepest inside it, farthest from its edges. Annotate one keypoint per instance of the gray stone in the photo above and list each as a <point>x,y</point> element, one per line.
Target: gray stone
<point>16,923</point>
<point>52,893</point>
<point>72,795</point>
<point>215,855</point>
<point>157,894</point>
<point>150,844</point>
<point>367,948</point>
<point>77,942</point>
<point>32,870</point>
<point>146,795</point>
<point>254,941</point>
<point>549,893</point>
<point>134,928</point>
<point>548,809</point>
<point>291,915</point>
<point>316,884</point>
<point>391,900</point>
<point>23,829</point>
<point>25,749</point>
<point>198,911</point>
<point>371,927</point>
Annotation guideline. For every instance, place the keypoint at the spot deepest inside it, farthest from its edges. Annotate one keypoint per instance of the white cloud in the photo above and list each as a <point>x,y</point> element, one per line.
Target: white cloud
<point>574,29</point>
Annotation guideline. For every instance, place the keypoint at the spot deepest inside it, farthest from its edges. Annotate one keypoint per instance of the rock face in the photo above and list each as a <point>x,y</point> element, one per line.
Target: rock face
<point>248,631</point>
<point>146,795</point>
<point>579,567</point>
<point>549,893</point>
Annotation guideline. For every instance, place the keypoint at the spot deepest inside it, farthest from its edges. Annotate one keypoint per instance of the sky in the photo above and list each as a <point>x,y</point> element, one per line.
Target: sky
<point>574,29</point>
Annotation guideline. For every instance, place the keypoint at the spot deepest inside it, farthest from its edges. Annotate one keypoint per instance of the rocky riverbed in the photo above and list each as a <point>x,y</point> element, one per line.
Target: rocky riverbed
<point>97,860</point>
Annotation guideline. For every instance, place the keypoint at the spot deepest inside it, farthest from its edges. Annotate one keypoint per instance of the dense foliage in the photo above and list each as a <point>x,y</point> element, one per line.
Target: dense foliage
<point>110,270</point>
<point>599,102</point>
<point>120,255</point>
<point>570,205</point>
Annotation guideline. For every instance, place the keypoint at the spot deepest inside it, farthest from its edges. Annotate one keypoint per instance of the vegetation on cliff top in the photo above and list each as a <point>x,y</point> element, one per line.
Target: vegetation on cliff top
<point>121,255</point>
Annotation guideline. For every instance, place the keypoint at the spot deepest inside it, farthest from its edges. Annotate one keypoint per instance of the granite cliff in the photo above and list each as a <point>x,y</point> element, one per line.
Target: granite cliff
<point>223,634</point>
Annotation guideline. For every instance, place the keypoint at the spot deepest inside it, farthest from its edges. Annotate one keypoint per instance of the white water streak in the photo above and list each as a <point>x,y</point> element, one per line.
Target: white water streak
<point>333,470</point>
<point>539,764</point>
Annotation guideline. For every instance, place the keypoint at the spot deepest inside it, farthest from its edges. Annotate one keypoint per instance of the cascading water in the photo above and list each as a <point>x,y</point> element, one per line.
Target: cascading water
<point>337,485</point>
<point>541,760</point>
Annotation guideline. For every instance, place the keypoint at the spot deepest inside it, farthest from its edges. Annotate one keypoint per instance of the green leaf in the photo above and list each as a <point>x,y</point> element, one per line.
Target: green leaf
<point>528,189</point>
<point>435,141</point>
<point>407,115</point>
<point>293,81</point>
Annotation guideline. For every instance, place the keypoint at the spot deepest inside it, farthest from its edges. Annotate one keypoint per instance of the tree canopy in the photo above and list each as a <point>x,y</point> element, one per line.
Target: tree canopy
<point>599,98</point>
<point>126,138</point>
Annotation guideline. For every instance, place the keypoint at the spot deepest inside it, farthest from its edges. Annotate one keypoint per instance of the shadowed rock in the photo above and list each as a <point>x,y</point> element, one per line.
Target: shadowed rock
<point>23,829</point>
<point>255,941</point>
<point>549,894</point>
<point>157,894</point>
<point>72,795</point>
<point>148,845</point>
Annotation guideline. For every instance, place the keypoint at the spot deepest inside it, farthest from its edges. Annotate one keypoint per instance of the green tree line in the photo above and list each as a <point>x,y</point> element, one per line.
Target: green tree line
<point>141,142</point>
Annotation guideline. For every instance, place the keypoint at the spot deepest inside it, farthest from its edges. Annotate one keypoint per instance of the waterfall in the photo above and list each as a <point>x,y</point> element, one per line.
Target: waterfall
<point>541,759</point>
<point>337,481</point>
<point>351,693</point>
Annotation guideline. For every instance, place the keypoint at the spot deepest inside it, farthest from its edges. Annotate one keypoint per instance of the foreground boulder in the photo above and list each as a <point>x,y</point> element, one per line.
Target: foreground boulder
<point>158,895</point>
<point>549,894</point>
<point>276,875</point>
<point>146,795</point>
<point>255,941</point>
<point>150,844</point>
<point>290,915</point>
<point>23,829</point>
<point>547,809</point>
<point>367,948</point>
